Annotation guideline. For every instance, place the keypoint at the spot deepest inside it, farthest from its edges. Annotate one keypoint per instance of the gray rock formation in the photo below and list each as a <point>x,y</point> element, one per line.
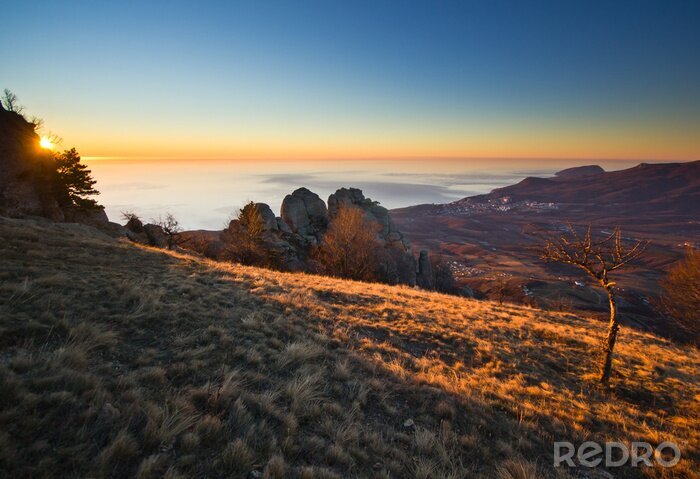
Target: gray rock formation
<point>304,212</point>
<point>282,226</point>
<point>424,277</point>
<point>267,216</point>
<point>353,197</point>
<point>135,225</point>
<point>347,197</point>
<point>288,241</point>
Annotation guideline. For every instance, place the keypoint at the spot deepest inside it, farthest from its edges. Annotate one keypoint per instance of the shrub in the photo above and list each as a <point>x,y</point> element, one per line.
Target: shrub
<point>243,239</point>
<point>680,298</point>
<point>350,248</point>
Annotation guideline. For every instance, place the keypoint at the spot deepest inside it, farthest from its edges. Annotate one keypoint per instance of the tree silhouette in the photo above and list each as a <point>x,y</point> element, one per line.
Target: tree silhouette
<point>598,258</point>
<point>74,180</point>
<point>10,102</point>
<point>243,238</point>
<point>172,229</point>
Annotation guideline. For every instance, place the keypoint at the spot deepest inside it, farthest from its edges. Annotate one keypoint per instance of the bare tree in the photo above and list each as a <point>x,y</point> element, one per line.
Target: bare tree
<point>501,287</point>
<point>172,229</point>
<point>598,258</point>
<point>9,101</point>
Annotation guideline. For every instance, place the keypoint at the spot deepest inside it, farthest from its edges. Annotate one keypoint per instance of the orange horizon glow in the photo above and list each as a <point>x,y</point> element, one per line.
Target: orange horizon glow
<point>647,148</point>
<point>536,139</point>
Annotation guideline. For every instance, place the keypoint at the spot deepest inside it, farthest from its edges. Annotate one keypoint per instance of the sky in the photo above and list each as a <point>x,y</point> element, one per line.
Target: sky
<point>351,80</point>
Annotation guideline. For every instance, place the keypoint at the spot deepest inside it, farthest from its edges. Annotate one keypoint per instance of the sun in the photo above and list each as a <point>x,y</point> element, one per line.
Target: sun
<point>46,142</point>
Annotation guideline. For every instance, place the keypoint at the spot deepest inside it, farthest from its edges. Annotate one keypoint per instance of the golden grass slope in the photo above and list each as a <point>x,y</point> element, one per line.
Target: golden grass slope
<point>123,361</point>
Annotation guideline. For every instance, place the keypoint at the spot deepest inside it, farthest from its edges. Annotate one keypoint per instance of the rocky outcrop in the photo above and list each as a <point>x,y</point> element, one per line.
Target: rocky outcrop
<point>135,225</point>
<point>267,217</point>
<point>425,277</point>
<point>288,241</point>
<point>28,174</point>
<point>353,197</point>
<point>305,213</point>
<point>155,236</point>
<point>23,165</point>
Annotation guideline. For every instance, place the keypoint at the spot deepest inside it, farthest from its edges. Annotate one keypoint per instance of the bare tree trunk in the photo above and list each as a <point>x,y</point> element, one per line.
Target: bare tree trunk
<point>609,344</point>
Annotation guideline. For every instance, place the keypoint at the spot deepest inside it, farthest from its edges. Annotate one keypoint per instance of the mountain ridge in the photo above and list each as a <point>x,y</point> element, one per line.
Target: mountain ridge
<point>652,186</point>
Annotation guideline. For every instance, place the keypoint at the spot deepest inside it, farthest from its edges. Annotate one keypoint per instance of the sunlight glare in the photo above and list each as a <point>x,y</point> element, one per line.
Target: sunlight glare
<point>46,142</point>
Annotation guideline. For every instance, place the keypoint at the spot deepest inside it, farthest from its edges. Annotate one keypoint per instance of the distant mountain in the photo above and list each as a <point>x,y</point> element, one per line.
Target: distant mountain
<point>665,187</point>
<point>579,171</point>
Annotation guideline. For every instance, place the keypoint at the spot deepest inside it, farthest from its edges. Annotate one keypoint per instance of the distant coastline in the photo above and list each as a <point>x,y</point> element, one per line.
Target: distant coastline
<point>204,197</point>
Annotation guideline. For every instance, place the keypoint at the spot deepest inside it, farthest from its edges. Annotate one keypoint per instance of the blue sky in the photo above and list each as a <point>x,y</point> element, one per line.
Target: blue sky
<point>322,78</point>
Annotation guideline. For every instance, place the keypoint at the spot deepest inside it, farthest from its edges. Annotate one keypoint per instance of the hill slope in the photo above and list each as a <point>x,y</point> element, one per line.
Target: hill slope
<point>664,187</point>
<point>117,360</point>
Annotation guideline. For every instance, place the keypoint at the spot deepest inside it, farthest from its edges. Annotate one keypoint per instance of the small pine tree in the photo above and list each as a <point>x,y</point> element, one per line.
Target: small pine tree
<point>74,182</point>
<point>243,239</point>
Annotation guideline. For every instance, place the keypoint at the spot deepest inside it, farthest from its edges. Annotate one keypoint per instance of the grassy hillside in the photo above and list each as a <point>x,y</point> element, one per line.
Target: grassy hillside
<point>118,361</point>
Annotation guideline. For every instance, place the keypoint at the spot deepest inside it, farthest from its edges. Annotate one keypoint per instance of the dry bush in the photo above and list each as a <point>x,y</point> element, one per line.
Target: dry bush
<point>443,276</point>
<point>680,298</point>
<point>517,469</point>
<point>243,239</point>
<point>350,248</point>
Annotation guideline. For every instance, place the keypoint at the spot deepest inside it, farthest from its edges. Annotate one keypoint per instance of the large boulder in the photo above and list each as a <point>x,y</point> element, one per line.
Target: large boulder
<point>90,216</point>
<point>268,218</point>
<point>304,212</point>
<point>155,235</point>
<point>283,226</point>
<point>294,213</point>
<point>135,225</point>
<point>347,197</point>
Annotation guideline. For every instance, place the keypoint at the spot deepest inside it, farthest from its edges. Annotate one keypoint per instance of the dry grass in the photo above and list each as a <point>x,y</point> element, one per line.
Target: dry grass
<point>118,360</point>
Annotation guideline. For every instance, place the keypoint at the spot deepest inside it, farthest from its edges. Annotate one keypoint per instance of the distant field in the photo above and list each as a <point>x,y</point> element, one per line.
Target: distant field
<point>489,245</point>
<point>118,360</point>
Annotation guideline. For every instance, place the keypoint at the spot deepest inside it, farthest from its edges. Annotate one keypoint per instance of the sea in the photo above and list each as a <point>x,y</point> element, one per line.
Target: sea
<point>207,193</point>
